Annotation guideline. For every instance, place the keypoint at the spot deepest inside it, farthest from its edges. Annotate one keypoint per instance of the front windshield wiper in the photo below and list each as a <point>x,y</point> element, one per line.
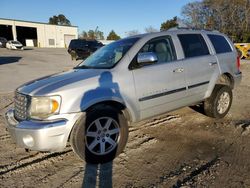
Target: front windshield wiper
<point>88,67</point>
<point>83,67</point>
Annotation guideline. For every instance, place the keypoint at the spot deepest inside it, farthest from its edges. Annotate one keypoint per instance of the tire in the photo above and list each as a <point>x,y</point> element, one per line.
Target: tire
<point>73,55</point>
<point>219,103</point>
<point>100,144</point>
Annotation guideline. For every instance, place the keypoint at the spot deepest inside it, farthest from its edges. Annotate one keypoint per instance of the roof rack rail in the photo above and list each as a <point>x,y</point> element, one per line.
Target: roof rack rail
<point>190,28</point>
<point>212,30</point>
<point>178,28</point>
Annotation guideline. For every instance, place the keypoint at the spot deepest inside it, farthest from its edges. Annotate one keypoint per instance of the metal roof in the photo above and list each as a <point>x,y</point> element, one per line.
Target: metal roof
<point>36,22</point>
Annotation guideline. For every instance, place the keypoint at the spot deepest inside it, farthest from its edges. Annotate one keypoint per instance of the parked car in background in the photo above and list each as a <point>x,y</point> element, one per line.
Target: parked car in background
<point>82,48</point>
<point>14,45</point>
<point>3,42</point>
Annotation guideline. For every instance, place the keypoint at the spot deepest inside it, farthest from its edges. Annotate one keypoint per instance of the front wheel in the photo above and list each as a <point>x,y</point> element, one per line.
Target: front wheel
<point>101,135</point>
<point>219,103</point>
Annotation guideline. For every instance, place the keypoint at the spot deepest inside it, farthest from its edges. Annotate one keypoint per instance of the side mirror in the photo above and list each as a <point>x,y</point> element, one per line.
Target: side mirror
<point>147,58</point>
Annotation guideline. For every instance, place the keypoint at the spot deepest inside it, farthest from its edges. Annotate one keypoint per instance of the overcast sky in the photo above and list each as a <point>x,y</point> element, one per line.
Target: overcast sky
<point>122,16</point>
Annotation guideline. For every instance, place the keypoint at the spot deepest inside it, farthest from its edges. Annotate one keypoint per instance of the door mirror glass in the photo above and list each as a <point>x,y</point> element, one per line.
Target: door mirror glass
<point>147,58</point>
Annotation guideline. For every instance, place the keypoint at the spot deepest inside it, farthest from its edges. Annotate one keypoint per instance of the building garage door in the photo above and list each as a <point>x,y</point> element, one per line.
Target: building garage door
<point>6,32</point>
<point>24,33</point>
<point>67,39</point>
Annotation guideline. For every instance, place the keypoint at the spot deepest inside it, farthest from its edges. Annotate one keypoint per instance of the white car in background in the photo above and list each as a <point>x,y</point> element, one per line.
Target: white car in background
<point>14,45</point>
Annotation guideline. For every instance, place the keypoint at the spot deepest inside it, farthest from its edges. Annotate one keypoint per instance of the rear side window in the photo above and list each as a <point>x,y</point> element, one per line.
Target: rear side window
<point>220,44</point>
<point>193,45</point>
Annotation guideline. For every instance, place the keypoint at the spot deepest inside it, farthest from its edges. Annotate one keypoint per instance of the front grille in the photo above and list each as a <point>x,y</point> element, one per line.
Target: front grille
<point>21,106</point>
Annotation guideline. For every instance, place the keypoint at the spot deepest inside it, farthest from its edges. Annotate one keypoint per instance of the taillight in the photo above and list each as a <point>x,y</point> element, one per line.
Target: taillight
<point>238,63</point>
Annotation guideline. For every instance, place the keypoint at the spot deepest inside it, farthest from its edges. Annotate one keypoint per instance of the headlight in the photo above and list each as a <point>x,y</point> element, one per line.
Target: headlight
<point>43,107</point>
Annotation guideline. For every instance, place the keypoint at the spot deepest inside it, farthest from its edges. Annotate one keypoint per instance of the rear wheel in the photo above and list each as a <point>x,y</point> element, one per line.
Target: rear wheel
<point>219,103</point>
<point>73,55</point>
<point>100,136</point>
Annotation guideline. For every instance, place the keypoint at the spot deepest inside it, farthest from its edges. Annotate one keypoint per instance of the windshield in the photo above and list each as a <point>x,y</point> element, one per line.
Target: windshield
<point>108,56</point>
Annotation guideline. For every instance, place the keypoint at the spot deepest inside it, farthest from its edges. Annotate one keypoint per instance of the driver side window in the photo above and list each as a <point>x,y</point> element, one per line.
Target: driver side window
<point>162,47</point>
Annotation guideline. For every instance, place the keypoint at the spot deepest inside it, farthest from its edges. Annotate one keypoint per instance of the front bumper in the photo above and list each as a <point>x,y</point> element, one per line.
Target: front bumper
<point>49,135</point>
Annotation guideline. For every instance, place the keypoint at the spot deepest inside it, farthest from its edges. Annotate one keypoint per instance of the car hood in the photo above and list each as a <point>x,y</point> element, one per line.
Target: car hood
<point>57,82</point>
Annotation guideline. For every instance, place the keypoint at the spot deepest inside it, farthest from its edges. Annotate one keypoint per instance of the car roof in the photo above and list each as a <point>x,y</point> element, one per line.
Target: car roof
<point>83,40</point>
<point>176,31</point>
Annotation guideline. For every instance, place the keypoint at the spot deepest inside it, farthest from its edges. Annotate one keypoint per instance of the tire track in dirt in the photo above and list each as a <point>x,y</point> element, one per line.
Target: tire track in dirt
<point>22,160</point>
<point>142,142</point>
<point>198,170</point>
<point>6,106</point>
<point>138,142</point>
<point>244,126</point>
<point>189,173</point>
<point>156,122</point>
<point>190,177</point>
<point>172,174</point>
<point>138,139</point>
<point>40,160</point>
<point>5,137</point>
<point>72,179</point>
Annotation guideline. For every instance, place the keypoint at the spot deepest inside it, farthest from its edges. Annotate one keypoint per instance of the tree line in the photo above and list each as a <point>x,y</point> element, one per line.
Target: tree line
<point>231,17</point>
<point>91,34</point>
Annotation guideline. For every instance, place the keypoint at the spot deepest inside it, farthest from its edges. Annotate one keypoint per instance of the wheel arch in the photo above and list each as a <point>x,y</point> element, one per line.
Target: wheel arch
<point>222,79</point>
<point>115,104</point>
<point>226,79</point>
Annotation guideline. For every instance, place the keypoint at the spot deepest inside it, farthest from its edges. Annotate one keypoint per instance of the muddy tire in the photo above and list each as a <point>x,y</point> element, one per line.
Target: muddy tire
<point>100,135</point>
<point>73,55</point>
<point>219,103</point>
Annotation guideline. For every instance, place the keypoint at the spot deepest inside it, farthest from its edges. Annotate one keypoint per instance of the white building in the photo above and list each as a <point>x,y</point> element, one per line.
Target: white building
<point>37,34</point>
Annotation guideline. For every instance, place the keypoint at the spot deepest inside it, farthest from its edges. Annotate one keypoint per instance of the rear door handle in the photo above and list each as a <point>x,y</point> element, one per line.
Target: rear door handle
<point>178,70</point>
<point>212,63</point>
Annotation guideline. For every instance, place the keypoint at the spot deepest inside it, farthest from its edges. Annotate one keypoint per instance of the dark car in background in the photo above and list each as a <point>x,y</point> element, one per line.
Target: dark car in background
<point>3,42</point>
<point>82,48</point>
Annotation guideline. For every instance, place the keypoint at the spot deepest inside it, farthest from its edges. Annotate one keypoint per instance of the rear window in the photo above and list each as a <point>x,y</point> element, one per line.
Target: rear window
<point>94,44</point>
<point>220,44</point>
<point>77,43</point>
<point>193,45</point>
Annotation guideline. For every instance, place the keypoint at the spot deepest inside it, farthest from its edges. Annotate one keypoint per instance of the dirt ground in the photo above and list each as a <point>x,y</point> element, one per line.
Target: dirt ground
<point>180,149</point>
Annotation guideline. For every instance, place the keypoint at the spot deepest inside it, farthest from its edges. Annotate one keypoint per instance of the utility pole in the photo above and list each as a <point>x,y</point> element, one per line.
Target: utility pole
<point>96,30</point>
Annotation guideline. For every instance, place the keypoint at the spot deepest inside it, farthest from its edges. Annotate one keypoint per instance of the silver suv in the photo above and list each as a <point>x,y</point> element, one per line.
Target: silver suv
<point>124,82</point>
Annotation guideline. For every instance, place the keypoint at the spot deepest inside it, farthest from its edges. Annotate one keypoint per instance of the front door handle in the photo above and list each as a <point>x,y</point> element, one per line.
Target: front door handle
<point>212,63</point>
<point>178,70</point>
